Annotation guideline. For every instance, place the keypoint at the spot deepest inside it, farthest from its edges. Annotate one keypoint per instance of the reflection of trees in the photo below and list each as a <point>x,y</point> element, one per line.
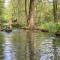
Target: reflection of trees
<point>57,43</point>
<point>24,48</point>
<point>1,47</point>
<point>55,49</point>
<point>19,45</point>
<point>30,42</point>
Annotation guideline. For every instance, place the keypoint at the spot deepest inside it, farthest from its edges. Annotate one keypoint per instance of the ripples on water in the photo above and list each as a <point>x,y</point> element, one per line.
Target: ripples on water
<point>46,46</point>
<point>46,50</point>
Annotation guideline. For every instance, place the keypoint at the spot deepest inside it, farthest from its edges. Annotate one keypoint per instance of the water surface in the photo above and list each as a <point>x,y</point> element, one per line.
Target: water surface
<point>15,45</point>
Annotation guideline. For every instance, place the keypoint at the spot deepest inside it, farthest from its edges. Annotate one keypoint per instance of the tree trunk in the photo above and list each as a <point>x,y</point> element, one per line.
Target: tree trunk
<point>55,10</point>
<point>18,15</point>
<point>31,15</point>
<point>26,12</point>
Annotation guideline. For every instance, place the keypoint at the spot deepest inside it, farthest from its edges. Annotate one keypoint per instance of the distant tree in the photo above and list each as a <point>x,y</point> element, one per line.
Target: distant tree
<point>1,12</point>
<point>26,12</point>
<point>55,10</point>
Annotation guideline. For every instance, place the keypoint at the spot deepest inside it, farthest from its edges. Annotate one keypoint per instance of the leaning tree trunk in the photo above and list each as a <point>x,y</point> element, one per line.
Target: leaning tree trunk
<point>31,15</point>
<point>55,10</point>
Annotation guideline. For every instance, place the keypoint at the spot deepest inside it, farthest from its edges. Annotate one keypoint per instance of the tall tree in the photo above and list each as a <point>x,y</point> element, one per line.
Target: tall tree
<point>55,10</point>
<point>31,15</point>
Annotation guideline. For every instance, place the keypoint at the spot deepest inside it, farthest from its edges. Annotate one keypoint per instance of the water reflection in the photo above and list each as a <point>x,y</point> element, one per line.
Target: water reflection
<point>8,47</point>
<point>44,46</point>
<point>56,46</point>
<point>19,39</point>
<point>1,47</point>
<point>49,49</point>
<point>46,50</point>
<point>30,42</point>
<point>27,45</point>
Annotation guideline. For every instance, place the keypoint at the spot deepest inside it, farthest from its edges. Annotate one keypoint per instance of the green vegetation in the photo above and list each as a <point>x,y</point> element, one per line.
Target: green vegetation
<point>46,13</point>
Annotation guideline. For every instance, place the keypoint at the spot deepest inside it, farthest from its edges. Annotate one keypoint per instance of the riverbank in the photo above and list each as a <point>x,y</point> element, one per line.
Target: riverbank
<point>42,30</point>
<point>46,27</point>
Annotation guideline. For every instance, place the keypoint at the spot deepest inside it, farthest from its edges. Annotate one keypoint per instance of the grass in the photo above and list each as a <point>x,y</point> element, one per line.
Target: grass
<point>52,27</point>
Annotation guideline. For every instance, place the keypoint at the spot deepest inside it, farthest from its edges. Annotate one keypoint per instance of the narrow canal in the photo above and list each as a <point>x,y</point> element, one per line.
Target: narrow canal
<point>13,46</point>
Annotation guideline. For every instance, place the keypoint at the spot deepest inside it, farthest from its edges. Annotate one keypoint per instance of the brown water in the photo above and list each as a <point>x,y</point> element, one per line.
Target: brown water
<point>15,45</point>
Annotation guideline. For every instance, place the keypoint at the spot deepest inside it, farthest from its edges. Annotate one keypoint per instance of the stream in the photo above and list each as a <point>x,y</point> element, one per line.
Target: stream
<point>13,45</point>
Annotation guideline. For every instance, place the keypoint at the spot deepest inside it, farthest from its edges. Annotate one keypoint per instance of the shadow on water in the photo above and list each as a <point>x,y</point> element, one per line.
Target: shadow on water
<point>28,45</point>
